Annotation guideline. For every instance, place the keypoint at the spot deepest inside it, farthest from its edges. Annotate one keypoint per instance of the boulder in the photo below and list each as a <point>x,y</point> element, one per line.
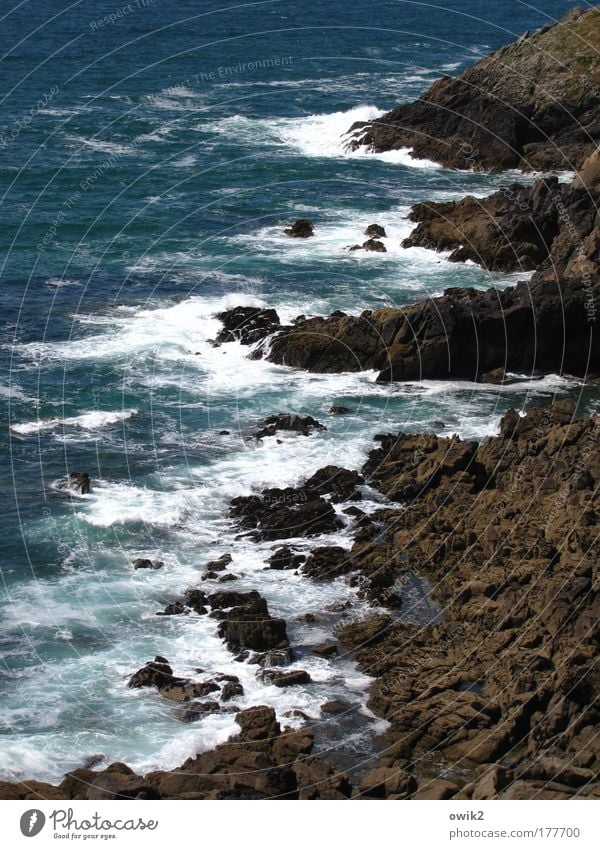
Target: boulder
<point>375,231</point>
<point>302,228</point>
<point>284,679</point>
<point>247,325</point>
<point>303,425</point>
<point>144,563</point>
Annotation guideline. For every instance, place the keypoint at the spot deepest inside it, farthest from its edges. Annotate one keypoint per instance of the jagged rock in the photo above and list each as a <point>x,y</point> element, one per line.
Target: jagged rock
<point>156,673</point>
<point>230,690</point>
<point>285,679</point>
<point>528,105</point>
<point>275,657</point>
<point>302,228</point>
<point>79,481</point>
<point>220,564</point>
<point>370,245</point>
<point>303,425</point>
<point>463,333</point>
<point>284,558</point>
<point>339,410</point>
<point>248,624</point>
<point>517,228</point>
<point>193,711</point>
<point>247,325</point>
<point>327,563</point>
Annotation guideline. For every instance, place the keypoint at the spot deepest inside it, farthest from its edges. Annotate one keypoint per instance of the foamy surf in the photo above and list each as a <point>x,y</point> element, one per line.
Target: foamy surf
<point>87,421</point>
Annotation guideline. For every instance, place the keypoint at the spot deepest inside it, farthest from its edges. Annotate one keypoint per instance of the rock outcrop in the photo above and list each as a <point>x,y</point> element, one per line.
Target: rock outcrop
<point>544,326</point>
<point>261,762</point>
<point>498,697</point>
<point>300,229</point>
<point>519,228</point>
<point>532,105</point>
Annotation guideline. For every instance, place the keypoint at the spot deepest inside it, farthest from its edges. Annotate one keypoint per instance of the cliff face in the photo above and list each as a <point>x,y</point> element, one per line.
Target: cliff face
<point>530,105</point>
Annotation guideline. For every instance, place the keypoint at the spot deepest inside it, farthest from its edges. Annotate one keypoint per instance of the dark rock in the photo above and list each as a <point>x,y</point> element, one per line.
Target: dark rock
<point>339,410</point>
<point>248,624</point>
<point>231,690</point>
<point>324,649</point>
<point>302,228</point>
<point>285,679</point>
<point>375,230</point>
<point>327,563</point>
<point>142,563</point>
<point>220,564</point>
<point>247,325</point>
<point>336,707</point>
<point>193,711</point>
<point>156,673</point>
<point>460,334</point>
<point>79,481</point>
<point>284,558</point>
<point>276,657</point>
<point>527,105</point>
<point>303,425</point>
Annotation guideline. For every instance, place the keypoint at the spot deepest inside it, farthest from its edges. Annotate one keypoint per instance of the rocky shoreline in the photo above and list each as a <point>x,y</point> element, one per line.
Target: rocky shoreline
<point>531,105</point>
<point>494,696</point>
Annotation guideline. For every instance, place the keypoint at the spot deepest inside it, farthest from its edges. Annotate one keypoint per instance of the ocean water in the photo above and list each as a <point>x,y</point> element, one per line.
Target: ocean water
<point>148,166</point>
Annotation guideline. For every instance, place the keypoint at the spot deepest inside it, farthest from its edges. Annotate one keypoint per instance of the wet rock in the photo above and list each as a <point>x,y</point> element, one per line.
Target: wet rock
<point>340,484</point>
<point>370,245</point>
<point>335,707</point>
<point>247,325</point>
<point>339,410</point>
<point>220,564</point>
<point>376,231</point>
<point>194,711</point>
<point>284,558</point>
<point>324,649</point>
<point>302,228</point>
<point>78,481</point>
<point>285,679</point>
<point>144,563</point>
<point>327,562</point>
<point>156,673</point>
<point>280,513</point>
<point>231,690</point>
<point>248,624</point>
<point>303,425</point>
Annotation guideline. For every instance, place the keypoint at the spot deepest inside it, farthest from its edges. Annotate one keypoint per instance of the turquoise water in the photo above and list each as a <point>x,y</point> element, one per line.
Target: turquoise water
<point>148,168</point>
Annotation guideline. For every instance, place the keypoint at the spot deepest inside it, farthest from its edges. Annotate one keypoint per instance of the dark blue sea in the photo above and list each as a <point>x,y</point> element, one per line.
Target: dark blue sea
<point>151,153</point>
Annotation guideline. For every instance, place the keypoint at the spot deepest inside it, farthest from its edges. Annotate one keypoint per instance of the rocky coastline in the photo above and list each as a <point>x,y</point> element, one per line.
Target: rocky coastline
<point>531,105</point>
<point>494,696</point>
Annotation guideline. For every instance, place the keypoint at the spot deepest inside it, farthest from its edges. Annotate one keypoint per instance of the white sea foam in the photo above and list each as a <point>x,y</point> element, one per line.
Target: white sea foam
<point>87,421</point>
<point>324,135</point>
